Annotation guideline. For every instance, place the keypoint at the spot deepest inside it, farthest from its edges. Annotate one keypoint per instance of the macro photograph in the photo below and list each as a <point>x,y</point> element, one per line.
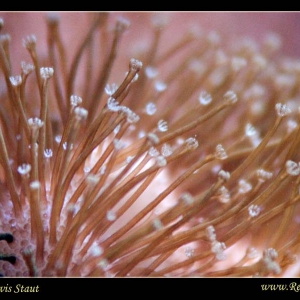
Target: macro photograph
<point>144,144</point>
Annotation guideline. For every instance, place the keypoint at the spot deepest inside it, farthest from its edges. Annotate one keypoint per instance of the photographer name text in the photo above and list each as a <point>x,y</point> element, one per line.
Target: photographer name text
<point>19,288</point>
